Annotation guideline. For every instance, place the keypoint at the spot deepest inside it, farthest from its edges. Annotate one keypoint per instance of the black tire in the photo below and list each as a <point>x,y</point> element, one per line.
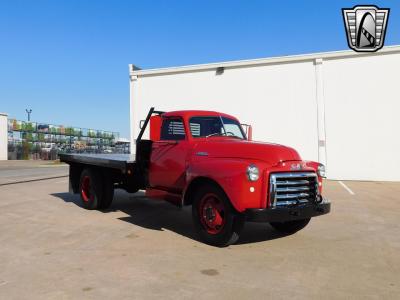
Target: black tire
<point>232,222</point>
<point>290,226</point>
<point>96,191</point>
<point>90,189</point>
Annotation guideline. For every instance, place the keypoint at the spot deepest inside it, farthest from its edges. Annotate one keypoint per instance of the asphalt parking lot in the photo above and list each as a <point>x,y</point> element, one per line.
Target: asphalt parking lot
<point>51,248</point>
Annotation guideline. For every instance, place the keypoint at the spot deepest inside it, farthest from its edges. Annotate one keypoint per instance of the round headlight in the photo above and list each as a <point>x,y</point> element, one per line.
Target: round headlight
<point>321,170</point>
<point>253,173</point>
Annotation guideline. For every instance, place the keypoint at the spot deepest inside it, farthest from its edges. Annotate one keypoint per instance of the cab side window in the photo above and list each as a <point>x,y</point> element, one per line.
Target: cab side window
<point>172,129</point>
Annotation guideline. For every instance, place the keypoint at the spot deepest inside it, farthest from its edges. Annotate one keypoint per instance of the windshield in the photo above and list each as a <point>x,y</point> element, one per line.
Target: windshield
<point>215,126</point>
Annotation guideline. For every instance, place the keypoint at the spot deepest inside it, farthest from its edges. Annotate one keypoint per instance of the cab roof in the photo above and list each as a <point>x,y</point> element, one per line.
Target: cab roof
<point>196,113</point>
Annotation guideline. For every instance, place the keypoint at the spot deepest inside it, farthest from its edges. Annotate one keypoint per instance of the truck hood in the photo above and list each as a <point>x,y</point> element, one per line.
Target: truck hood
<point>235,148</point>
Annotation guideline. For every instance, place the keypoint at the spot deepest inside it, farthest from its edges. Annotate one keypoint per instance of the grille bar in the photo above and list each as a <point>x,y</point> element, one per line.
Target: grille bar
<point>292,202</point>
<point>294,182</point>
<point>293,188</point>
<point>288,196</point>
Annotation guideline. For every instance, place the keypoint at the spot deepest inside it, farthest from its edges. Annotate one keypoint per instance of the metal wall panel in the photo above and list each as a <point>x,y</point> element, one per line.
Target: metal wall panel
<point>278,100</point>
<point>362,117</point>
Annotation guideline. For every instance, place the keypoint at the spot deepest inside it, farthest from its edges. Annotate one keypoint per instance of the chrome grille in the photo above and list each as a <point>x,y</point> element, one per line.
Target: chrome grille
<point>293,188</point>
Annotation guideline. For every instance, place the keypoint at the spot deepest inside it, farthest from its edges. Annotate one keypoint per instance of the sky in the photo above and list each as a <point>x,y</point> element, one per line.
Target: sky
<point>68,60</point>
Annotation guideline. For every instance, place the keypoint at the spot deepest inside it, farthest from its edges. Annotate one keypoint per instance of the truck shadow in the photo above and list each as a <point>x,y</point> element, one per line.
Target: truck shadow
<point>160,215</point>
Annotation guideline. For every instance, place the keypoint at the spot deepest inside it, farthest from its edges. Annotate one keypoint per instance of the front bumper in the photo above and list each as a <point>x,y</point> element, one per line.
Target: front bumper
<point>288,213</point>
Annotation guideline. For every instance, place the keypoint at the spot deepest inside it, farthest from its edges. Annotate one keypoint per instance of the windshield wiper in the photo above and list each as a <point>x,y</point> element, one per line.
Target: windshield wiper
<point>215,134</point>
<point>224,134</point>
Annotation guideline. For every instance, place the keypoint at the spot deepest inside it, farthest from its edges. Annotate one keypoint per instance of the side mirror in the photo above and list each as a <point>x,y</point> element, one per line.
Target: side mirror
<point>248,129</point>
<point>250,133</point>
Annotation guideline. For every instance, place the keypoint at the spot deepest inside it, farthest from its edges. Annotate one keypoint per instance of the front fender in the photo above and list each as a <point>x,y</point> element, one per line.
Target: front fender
<point>231,175</point>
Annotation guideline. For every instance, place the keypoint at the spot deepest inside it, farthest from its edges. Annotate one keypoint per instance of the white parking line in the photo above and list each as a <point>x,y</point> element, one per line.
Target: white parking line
<point>346,188</point>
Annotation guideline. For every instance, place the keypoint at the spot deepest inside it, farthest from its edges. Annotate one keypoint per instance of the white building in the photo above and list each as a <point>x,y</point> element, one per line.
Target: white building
<point>339,108</point>
<point>3,136</point>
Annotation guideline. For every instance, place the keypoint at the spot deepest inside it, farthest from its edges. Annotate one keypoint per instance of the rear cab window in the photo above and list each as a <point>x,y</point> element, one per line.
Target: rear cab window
<point>172,129</point>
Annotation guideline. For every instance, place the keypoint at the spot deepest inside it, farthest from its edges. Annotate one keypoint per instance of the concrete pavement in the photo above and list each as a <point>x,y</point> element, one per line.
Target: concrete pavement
<point>18,170</point>
<point>51,248</point>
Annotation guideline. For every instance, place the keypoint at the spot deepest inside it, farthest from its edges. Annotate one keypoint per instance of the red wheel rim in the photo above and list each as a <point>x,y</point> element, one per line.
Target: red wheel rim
<point>212,213</point>
<point>86,187</point>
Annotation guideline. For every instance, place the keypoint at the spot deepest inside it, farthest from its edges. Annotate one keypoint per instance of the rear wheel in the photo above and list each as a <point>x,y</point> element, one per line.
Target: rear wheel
<point>96,192</point>
<point>290,226</point>
<point>215,220</point>
<point>89,189</point>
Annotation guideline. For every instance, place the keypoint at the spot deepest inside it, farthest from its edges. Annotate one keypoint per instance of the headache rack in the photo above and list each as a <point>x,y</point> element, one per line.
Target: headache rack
<point>293,188</point>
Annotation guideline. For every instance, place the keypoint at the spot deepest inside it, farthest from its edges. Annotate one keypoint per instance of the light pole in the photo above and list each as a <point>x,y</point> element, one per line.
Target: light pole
<point>29,111</point>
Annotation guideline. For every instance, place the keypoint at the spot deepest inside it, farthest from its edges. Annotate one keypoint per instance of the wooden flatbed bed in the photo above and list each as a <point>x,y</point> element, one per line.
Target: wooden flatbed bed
<point>121,162</point>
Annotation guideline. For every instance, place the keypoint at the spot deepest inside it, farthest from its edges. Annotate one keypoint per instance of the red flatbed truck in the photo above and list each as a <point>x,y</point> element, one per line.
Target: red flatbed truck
<point>205,159</point>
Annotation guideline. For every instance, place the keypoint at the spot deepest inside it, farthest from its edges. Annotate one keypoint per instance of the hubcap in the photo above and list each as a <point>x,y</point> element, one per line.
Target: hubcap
<point>86,186</point>
<point>212,213</point>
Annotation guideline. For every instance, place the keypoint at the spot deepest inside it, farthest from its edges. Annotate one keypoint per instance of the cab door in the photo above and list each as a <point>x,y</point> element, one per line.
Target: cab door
<point>169,156</point>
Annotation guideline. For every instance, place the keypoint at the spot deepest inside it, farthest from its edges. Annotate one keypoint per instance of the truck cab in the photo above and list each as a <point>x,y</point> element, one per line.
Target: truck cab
<point>205,159</point>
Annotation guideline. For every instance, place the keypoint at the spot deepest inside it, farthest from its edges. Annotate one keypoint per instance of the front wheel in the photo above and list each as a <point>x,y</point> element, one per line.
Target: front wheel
<point>290,226</point>
<point>215,220</point>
